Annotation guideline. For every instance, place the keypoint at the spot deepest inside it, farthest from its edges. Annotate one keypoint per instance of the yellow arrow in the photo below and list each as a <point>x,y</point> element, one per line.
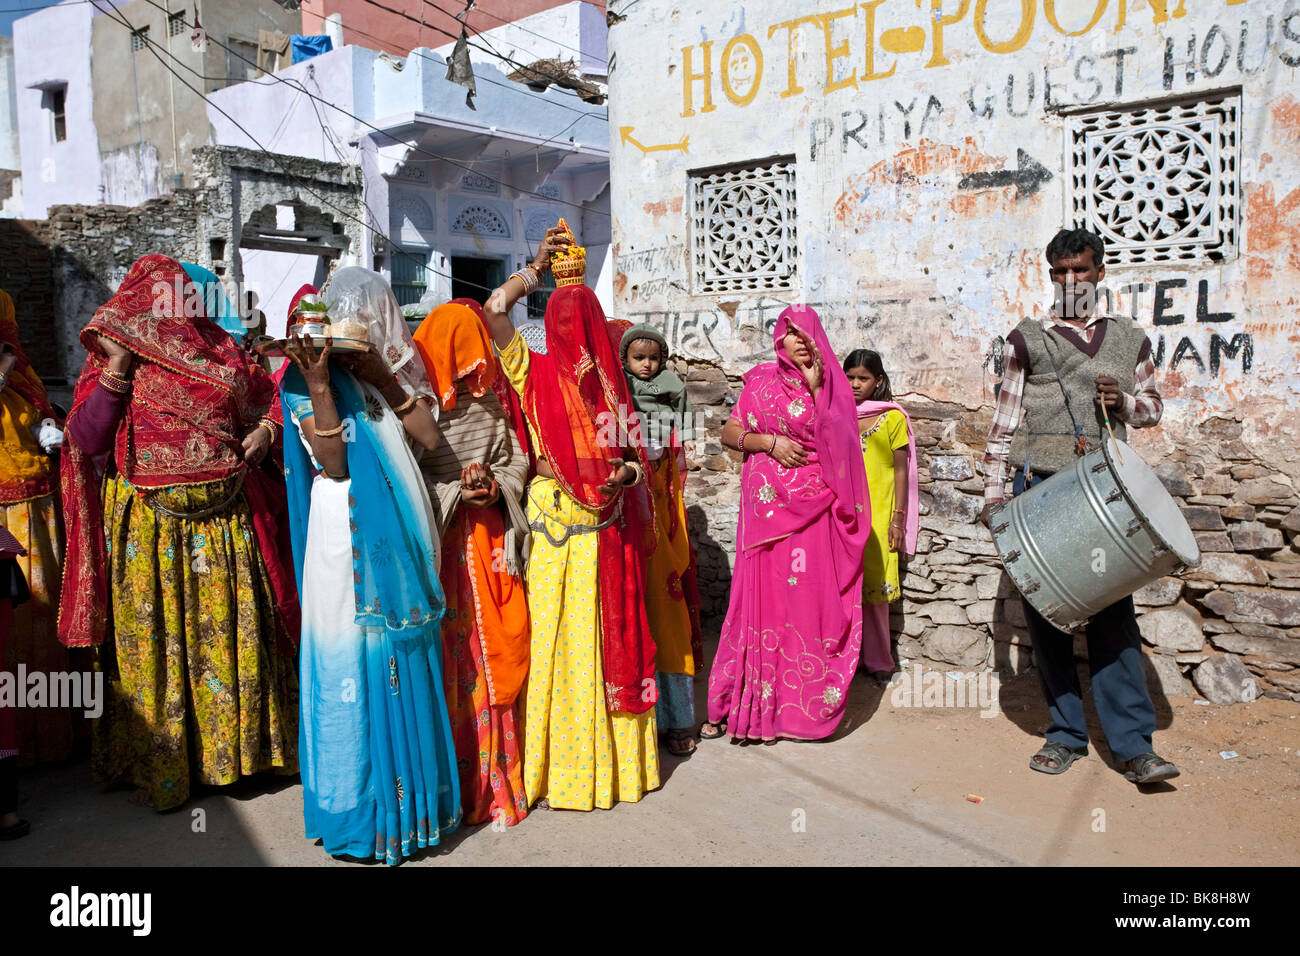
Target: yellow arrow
<point>625,132</point>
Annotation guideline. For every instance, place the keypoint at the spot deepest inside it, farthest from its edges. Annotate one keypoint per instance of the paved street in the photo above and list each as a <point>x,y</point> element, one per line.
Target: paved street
<point>888,790</point>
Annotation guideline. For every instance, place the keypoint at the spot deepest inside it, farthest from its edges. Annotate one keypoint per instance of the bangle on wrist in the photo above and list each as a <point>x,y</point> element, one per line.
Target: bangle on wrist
<point>744,433</point>
<point>528,276</point>
<point>114,383</point>
<point>773,448</point>
<point>406,405</point>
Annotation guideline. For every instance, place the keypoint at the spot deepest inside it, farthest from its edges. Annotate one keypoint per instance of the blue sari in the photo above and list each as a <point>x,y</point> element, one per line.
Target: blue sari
<point>378,768</point>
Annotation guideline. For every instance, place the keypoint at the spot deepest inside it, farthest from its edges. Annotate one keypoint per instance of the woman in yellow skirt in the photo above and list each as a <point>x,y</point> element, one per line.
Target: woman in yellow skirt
<point>176,569</point>
<point>589,724</point>
<point>672,600</point>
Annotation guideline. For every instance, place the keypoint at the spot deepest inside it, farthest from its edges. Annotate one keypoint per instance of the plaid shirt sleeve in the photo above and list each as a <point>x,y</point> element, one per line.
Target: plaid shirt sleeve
<point>1006,416</point>
<point>1144,407</point>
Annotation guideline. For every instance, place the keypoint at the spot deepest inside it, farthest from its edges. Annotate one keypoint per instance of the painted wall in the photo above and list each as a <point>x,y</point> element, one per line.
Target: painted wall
<point>9,158</point>
<point>53,47</point>
<point>407,199</point>
<point>148,120</point>
<point>571,31</point>
<point>902,122</point>
<point>416,23</point>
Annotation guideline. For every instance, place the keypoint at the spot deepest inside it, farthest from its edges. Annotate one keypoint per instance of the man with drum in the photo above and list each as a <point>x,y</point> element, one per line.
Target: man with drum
<point>1062,371</point>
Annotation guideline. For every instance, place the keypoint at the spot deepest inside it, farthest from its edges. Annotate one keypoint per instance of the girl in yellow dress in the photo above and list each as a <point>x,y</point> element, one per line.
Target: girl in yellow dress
<point>889,454</point>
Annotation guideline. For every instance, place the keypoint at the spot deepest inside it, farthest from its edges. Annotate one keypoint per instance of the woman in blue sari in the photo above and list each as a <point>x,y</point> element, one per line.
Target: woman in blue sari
<point>378,770</point>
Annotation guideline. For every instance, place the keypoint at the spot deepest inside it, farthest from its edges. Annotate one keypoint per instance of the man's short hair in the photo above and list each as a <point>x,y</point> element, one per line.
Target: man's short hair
<point>1071,242</point>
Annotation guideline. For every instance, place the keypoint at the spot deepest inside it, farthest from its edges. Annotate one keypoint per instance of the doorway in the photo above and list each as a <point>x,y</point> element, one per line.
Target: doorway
<point>474,277</point>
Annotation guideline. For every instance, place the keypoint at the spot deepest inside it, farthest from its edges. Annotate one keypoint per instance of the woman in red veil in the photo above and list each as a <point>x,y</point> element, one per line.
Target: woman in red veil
<point>590,734</point>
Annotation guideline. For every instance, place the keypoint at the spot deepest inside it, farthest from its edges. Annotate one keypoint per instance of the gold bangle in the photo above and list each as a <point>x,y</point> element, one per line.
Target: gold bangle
<point>411,400</point>
<point>636,470</point>
<point>330,432</point>
<point>269,426</point>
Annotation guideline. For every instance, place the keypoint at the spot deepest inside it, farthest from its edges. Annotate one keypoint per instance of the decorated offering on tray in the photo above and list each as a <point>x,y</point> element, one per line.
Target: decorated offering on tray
<point>311,318</point>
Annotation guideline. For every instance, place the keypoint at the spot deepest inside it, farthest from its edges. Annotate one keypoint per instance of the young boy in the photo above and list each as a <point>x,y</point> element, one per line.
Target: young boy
<point>672,598</point>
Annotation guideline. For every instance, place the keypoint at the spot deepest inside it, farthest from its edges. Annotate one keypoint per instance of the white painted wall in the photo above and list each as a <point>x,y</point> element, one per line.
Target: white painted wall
<point>53,46</point>
<point>283,119</point>
<point>9,158</point>
<point>574,30</point>
<point>892,251</point>
<point>275,277</point>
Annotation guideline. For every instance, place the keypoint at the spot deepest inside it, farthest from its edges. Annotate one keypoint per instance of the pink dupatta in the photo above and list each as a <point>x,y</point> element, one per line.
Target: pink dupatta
<point>780,501</point>
<point>912,514</point>
<point>790,642</point>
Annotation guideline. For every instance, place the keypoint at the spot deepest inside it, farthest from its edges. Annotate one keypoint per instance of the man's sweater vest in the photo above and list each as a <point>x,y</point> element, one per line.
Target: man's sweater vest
<point>1047,429</point>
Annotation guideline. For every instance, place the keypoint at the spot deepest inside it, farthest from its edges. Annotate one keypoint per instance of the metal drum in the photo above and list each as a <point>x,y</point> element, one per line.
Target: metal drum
<point>1091,535</point>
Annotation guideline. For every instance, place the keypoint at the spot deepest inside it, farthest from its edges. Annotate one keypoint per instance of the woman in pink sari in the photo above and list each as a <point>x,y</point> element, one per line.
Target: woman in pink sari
<point>790,642</point>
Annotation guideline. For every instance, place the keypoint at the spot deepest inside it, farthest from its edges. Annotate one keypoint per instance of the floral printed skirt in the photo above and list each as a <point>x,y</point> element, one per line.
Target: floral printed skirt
<point>197,690</point>
<point>790,643</point>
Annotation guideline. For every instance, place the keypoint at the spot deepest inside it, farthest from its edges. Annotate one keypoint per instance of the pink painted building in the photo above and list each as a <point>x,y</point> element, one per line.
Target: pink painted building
<point>410,24</point>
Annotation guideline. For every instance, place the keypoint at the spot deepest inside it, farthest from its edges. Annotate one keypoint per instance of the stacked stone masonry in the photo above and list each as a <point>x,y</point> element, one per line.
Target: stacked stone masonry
<point>1229,630</point>
<point>60,270</point>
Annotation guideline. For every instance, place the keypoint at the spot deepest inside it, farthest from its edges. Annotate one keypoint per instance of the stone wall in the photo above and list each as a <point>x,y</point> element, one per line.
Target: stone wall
<point>92,247</point>
<point>26,273</point>
<point>902,173</point>
<point>60,270</point>
<point>1231,627</point>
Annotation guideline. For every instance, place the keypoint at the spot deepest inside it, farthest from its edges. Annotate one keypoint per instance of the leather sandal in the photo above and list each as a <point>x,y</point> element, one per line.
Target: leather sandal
<point>1057,753</point>
<point>719,730</point>
<point>1149,768</point>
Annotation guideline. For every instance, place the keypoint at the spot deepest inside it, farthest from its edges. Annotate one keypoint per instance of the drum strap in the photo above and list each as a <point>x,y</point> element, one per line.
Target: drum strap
<point>1080,446</point>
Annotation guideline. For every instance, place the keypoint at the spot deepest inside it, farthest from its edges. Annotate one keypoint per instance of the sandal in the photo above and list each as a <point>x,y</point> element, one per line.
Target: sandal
<point>1055,758</point>
<point>1149,768</point>
<point>719,730</point>
<point>681,743</point>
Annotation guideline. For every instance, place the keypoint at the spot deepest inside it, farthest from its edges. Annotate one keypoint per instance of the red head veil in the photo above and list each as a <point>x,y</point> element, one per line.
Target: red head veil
<point>576,400</point>
<point>616,328</point>
<point>194,399</point>
<point>307,289</point>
